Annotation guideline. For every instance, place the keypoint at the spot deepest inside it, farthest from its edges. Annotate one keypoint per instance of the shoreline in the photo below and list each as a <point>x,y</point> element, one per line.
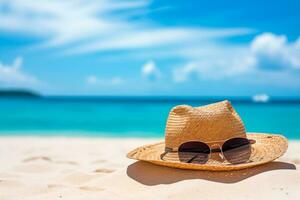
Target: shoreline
<point>99,135</point>
<point>80,134</point>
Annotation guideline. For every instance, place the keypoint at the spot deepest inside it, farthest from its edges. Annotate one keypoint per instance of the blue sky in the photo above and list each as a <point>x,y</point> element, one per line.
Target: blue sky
<point>140,47</point>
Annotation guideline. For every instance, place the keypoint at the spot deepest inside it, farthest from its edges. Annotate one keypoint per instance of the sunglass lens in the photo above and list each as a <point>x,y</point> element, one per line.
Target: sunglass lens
<point>194,152</point>
<point>237,150</point>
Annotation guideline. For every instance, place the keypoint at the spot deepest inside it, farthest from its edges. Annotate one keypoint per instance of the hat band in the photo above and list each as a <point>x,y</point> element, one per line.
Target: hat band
<point>175,149</point>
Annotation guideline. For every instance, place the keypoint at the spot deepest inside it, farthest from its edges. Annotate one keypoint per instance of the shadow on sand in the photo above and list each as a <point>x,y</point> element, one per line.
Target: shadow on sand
<point>150,174</point>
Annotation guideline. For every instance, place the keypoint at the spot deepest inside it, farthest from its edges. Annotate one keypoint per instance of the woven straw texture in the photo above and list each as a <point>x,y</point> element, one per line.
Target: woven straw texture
<point>214,122</point>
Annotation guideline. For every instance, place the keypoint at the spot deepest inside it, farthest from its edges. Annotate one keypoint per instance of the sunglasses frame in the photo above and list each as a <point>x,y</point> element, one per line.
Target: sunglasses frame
<point>211,150</point>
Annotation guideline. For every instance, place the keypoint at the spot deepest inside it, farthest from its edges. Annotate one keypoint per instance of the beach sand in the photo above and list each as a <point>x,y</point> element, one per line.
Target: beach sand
<point>97,168</point>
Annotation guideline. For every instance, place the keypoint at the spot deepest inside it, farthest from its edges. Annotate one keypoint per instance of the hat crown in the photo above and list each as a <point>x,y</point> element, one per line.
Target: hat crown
<point>213,122</point>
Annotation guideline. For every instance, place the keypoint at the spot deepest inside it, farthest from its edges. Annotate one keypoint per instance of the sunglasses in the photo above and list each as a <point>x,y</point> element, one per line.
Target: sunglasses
<point>234,150</point>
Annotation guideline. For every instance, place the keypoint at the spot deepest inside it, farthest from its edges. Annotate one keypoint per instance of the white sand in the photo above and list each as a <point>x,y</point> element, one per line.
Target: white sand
<point>96,168</point>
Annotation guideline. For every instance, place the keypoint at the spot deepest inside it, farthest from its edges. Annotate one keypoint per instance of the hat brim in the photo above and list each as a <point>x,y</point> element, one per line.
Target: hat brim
<point>267,148</point>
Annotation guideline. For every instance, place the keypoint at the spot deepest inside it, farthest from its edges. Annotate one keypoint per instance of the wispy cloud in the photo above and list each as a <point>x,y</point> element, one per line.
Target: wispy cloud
<point>154,37</point>
<point>89,26</point>
<point>63,22</point>
<point>12,75</point>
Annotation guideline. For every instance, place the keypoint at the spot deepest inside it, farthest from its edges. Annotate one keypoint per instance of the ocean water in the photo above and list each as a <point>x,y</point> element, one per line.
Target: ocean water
<point>117,117</point>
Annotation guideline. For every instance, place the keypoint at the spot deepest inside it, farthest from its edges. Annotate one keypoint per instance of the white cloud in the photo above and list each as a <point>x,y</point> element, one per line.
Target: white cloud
<point>273,52</point>
<point>150,71</point>
<point>91,80</point>
<point>12,75</point>
<point>266,52</point>
<point>88,26</point>
<point>97,81</point>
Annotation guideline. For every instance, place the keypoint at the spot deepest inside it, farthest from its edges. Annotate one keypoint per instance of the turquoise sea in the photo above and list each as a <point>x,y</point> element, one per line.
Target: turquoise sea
<point>129,116</point>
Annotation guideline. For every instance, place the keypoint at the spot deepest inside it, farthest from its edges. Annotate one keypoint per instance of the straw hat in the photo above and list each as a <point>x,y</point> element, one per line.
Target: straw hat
<point>215,122</point>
